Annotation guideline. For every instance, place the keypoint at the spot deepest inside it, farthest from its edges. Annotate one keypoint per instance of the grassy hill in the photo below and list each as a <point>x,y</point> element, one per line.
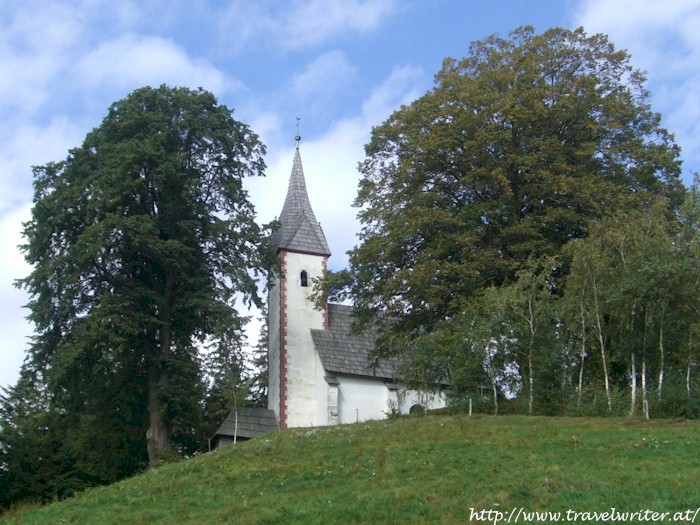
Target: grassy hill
<point>435,469</point>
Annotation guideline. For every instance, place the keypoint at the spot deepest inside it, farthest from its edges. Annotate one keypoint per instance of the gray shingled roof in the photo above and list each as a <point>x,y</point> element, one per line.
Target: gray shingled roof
<point>346,353</point>
<point>299,230</point>
<point>252,422</point>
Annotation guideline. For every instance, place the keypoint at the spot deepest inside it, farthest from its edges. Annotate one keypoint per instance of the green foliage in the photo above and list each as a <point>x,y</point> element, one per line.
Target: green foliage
<point>525,229</point>
<point>260,373</point>
<point>676,400</point>
<point>37,462</point>
<point>517,149</point>
<point>237,380</point>
<point>630,281</point>
<point>409,470</point>
<point>141,242</point>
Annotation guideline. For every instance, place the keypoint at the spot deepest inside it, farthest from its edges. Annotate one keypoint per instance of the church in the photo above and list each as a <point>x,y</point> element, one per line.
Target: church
<point>320,373</point>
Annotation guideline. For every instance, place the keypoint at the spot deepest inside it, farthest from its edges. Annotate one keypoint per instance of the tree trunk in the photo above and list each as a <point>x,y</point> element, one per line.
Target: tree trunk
<point>158,434</point>
<point>687,372</point>
<point>159,426</point>
<point>531,372</point>
<point>495,398</point>
<point>531,382</point>
<point>633,400</point>
<point>661,346</point>
<point>583,357</point>
<point>633,386</point>
<point>601,340</point>
<point>645,402</point>
<point>235,416</point>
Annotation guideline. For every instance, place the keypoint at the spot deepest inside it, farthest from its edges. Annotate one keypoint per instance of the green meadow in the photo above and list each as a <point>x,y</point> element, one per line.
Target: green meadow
<point>426,469</point>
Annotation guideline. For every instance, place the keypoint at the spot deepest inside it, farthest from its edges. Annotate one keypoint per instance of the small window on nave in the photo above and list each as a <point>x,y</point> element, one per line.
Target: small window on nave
<point>304,278</point>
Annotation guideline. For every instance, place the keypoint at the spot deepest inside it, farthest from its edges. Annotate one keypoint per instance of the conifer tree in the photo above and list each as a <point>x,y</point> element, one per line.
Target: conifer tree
<point>140,242</point>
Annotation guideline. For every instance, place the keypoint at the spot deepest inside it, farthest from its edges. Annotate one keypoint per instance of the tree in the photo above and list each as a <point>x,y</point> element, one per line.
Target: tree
<point>690,248</point>
<point>526,308</point>
<point>260,367</point>
<point>36,462</point>
<point>141,241</point>
<point>628,280</point>
<point>591,274</point>
<point>514,152</point>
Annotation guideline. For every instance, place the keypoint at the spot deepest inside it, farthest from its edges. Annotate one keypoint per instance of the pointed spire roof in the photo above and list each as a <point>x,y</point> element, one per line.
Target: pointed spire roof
<point>299,230</point>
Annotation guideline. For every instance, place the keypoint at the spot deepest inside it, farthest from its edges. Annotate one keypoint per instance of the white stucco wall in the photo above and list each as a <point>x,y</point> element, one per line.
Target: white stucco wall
<point>428,400</point>
<point>358,398</point>
<point>366,398</point>
<point>362,399</point>
<point>321,393</point>
<point>302,362</point>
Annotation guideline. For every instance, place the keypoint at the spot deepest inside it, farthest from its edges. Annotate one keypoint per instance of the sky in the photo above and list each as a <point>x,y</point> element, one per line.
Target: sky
<point>341,66</point>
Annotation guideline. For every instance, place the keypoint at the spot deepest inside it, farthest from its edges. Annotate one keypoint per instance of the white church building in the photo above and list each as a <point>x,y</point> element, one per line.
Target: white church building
<point>319,372</point>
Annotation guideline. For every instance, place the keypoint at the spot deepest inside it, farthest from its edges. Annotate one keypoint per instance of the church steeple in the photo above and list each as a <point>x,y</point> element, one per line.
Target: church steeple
<point>295,375</point>
<point>299,230</point>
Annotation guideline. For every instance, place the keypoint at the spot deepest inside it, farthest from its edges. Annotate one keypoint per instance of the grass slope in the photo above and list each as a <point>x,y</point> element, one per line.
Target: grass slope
<point>411,470</point>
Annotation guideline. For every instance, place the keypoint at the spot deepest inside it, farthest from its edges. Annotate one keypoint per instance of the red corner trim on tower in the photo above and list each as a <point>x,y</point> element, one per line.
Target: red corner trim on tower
<point>283,342</point>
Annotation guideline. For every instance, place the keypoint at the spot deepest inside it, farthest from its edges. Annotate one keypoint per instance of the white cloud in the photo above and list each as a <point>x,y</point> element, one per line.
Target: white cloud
<point>315,21</point>
<point>404,85</point>
<point>300,24</point>
<point>26,145</point>
<point>663,39</point>
<point>13,326</point>
<point>33,50</point>
<point>40,41</point>
<point>265,123</point>
<point>324,76</point>
<point>132,61</point>
<point>42,27</point>
<point>243,21</point>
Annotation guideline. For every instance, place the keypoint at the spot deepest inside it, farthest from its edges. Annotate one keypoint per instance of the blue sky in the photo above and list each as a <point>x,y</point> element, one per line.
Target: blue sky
<point>342,66</point>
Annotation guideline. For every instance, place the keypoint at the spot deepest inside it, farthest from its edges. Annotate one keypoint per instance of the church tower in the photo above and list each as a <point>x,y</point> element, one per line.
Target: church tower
<point>294,366</point>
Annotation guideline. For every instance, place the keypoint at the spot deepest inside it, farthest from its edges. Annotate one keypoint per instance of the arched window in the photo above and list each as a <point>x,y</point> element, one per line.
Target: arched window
<point>304,278</point>
<point>417,409</point>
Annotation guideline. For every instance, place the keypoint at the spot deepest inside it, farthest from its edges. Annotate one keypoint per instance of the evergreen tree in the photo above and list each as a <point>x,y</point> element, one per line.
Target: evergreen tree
<point>140,241</point>
<point>259,377</point>
<point>37,463</point>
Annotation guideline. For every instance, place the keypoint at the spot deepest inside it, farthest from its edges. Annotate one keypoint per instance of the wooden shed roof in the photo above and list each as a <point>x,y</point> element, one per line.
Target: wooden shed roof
<point>252,422</point>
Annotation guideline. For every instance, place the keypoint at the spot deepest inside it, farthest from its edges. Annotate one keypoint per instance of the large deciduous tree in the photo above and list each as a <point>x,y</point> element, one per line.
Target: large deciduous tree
<point>513,153</point>
<point>141,241</point>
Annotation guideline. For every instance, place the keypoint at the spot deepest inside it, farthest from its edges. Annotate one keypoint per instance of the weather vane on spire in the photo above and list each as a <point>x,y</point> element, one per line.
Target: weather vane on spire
<point>298,137</point>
